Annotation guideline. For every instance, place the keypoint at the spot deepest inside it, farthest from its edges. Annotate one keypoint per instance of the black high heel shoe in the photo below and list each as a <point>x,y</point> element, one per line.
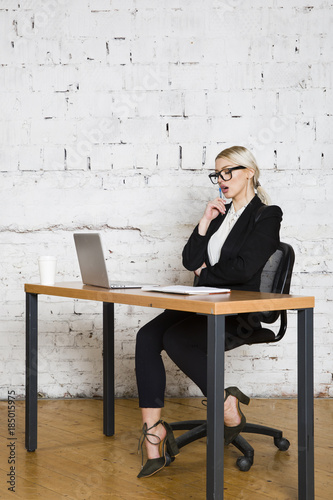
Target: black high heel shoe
<point>230,433</point>
<point>168,449</point>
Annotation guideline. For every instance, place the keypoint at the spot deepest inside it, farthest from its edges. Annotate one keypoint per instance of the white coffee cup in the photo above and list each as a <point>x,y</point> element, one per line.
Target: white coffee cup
<point>47,269</point>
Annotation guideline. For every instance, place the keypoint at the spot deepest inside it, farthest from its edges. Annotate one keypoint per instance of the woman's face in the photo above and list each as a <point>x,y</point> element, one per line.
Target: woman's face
<point>238,185</point>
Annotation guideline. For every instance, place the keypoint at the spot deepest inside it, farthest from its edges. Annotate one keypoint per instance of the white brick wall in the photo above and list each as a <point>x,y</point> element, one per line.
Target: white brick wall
<point>111,114</point>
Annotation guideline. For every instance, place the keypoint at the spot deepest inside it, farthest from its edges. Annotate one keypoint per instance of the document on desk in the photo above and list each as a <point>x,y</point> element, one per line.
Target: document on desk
<point>186,290</point>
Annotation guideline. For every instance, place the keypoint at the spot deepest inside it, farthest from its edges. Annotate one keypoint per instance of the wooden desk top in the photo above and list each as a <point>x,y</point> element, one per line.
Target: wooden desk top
<point>229,303</point>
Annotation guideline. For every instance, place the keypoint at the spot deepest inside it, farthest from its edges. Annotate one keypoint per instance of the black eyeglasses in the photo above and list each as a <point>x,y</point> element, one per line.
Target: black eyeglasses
<point>225,174</point>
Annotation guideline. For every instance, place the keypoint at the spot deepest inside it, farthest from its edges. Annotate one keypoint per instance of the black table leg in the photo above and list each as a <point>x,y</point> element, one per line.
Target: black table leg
<point>305,405</point>
<point>108,368</point>
<point>31,358</point>
<point>215,407</point>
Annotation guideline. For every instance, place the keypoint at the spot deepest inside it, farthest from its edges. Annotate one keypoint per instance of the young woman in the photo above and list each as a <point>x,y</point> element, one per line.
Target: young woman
<point>228,248</point>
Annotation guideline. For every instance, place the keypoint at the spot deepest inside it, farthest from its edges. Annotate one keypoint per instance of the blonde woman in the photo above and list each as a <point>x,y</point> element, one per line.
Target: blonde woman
<point>228,248</point>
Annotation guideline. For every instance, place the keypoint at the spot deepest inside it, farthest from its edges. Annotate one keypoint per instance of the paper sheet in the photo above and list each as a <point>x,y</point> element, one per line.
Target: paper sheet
<point>186,290</point>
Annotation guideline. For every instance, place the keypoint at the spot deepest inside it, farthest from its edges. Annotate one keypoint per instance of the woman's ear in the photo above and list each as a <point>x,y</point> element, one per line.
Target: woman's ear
<point>250,173</point>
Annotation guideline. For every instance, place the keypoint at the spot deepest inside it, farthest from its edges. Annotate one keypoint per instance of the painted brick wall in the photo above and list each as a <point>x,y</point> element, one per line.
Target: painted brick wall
<point>112,112</point>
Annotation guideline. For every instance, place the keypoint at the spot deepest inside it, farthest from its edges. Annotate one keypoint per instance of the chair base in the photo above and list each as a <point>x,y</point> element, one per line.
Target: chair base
<point>197,429</point>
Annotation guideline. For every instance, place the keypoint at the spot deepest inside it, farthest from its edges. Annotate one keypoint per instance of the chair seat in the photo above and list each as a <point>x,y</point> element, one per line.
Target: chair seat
<point>261,336</point>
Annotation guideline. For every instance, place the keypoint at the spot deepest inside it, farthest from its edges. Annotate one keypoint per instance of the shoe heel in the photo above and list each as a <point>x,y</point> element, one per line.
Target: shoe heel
<point>171,441</point>
<point>168,460</point>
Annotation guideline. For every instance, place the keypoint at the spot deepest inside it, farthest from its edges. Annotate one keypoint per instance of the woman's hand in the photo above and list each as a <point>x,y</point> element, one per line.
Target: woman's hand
<point>198,271</point>
<point>213,209</point>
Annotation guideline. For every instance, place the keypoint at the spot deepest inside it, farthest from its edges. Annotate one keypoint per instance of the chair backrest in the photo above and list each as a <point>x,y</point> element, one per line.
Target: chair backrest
<point>276,276</point>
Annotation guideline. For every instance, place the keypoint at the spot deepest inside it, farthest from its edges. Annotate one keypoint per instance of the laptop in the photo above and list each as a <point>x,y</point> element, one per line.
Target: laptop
<point>92,262</point>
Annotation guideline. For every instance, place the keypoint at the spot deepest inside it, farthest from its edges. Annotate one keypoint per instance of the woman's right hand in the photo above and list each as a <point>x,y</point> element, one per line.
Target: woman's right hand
<point>213,209</point>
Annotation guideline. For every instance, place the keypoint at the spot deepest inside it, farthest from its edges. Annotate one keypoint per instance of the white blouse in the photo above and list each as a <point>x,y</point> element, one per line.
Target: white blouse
<point>218,238</point>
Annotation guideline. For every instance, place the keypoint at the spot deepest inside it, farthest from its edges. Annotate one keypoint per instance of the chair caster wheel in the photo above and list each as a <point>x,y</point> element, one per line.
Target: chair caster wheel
<point>282,443</point>
<point>244,464</point>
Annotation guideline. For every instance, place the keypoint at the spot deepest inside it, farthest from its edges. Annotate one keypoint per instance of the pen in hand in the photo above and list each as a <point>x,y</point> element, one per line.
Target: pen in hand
<point>222,197</point>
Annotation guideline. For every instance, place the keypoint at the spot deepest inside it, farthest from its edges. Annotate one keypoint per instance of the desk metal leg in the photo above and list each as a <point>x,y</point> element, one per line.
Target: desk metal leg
<point>305,405</point>
<point>108,368</point>
<point>215,407</point>
<point>31,358</point>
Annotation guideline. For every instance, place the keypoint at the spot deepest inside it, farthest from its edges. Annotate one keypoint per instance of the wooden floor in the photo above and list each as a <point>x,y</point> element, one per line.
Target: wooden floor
<point>74,460</point>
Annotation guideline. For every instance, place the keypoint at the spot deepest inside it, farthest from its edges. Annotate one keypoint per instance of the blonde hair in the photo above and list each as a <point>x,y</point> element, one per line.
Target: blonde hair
<point>244,157</point>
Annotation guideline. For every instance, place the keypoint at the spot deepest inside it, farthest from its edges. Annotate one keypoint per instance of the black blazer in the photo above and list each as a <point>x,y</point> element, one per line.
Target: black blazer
<point>250,243</point>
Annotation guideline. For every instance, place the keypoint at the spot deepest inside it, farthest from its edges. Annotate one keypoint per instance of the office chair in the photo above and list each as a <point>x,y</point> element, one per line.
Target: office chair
<point>275,278</point>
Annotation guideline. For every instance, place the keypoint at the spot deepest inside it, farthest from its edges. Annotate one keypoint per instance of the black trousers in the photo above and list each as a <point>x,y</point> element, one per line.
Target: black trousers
<point>183,336</point>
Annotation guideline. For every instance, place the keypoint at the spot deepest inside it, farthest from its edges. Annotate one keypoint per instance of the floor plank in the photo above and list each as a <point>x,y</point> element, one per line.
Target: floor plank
<point>74,460</point>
